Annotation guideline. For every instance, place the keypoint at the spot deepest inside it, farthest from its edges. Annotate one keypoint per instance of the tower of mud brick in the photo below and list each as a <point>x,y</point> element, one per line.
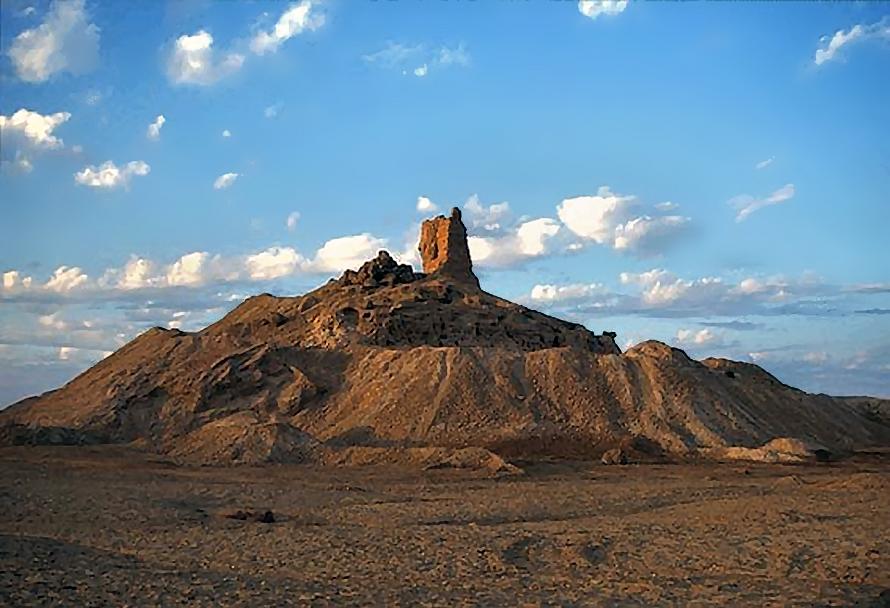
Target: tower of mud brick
<point>444,249</point>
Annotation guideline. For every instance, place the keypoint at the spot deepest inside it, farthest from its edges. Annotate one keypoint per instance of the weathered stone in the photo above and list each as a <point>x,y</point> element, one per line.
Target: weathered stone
<point>614,456</point>
<point>444,250</point>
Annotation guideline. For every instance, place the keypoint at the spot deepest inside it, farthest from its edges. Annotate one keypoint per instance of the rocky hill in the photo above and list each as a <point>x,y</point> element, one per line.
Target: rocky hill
<point>385,361</point>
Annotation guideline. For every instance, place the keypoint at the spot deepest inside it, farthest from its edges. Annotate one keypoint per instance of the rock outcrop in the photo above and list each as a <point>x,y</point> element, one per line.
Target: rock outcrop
<point>444,249</point>
<point>385,364</point>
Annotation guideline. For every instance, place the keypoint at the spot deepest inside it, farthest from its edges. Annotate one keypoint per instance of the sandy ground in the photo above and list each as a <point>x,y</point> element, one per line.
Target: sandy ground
<point>112,527</point>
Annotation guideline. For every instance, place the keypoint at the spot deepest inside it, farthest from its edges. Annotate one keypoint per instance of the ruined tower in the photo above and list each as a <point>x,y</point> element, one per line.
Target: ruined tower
<point>444,250</point>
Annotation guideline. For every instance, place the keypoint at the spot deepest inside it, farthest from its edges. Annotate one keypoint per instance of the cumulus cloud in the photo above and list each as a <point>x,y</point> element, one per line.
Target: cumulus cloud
<point>13,280</point>
<point>425,205</point>
<point>421,71</point>
<point>226,133</point>
<point>566,293</point>
<point>225,180</point>
<point>137,273</point>
<point>292,219</point>
<point>64,42</point>
<point>346,252</point>
<point>190,269</point>
<point>108,176</point>
<point>488,218</point>
<point>697,338</point>
<point>596,217</point>
<point>294,21</point>
<point>26,133</point>
<point>194,61</point>
<point>32,128</point>
<point>831,46</point>
<point>528,240</point>
<point>648,235</point>
<point>660,293</point>
<point>66,279</point>
<point>595,8</point>
<point>745,204</point>
<point>611,219</point>
<point>273,263</point>
<point>154,129</point>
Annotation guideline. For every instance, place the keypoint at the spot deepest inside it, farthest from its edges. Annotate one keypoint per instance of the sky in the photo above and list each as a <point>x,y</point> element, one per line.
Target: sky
<point>712,175</point>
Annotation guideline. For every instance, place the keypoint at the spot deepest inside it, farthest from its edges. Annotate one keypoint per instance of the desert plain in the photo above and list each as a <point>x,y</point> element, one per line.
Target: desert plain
<point>114,526</point>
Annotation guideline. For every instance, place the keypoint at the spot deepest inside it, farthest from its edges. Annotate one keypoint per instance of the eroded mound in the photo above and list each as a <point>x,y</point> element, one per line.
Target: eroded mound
<point>385,358</point>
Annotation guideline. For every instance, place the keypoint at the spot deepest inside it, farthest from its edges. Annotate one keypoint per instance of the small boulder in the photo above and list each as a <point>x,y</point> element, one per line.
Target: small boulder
<point>614,456</point>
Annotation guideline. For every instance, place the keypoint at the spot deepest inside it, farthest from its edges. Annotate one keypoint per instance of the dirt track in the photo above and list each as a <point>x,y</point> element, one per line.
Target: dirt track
<point>108,526</point>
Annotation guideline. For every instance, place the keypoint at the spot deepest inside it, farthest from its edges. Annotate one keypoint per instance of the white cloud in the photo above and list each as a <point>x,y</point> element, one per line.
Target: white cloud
<point>830,47</point>
<point>154,129</point>
<point>19,163</point>
<point>765,163</point>
<point>611,219</point>
<point>296,19</point>
<point>346,252</point>
<point>453,56</point>
<point>66,279</point>
<point>532,236</point>
<point>190,269</point>
<point>273,110</point>
<point>425,59</point>
<point>816,357</point>
<point>194,61</point>
<point>528,240</point>
<point>226,133</point>
<point>33,128</point>
<point>667,206</point>
<point>273,263</point>
<point>13,280</point>
<point>137,273</point>
<point>425,205</point>
<point>53,322</point>
<point>65,352</point>
<point>109,176</point>
<point>745,204</point>
<point>393,55</point>
<point>225,180</point>
<point>65,42</point>
<point>648,235</point>
<point>596,217</point>
<point>292,219</point>
<point>661,288</point>
<point>566,293</point>
<point>698,338</point>
<point>595,8</point>
<point>485,218</point>
<point>645,279</point>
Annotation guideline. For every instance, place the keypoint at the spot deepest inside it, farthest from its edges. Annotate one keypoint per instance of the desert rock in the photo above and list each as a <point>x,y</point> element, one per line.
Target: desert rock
<point>386,358</point>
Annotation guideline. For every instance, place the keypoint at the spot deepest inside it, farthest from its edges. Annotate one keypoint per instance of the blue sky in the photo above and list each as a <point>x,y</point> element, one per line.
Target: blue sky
<point>714,175</point>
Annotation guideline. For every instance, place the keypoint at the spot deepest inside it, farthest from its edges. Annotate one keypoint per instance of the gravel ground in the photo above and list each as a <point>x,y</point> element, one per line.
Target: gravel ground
<point>114,527</point>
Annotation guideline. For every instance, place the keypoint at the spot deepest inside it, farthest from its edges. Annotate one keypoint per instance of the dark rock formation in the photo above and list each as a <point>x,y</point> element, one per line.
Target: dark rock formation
<point>444,249</point>
<point>382,271</point>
